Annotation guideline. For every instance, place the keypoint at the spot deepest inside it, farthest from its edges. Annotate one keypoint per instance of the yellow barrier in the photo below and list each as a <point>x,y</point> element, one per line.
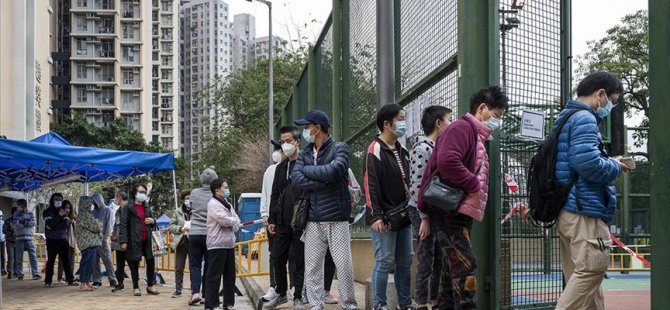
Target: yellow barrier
<point>623,261</point>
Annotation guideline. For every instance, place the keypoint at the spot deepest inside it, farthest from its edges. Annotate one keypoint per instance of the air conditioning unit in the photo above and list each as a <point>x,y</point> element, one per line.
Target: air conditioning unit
<point>91,87</point>
<point>136,24</point>
<point>136,49</point>
<point>136,94</point>
<point>90,15</point>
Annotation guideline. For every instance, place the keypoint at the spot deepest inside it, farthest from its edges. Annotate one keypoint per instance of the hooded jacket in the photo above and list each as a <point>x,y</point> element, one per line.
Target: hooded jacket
<point>200,197</point>
<point>581,153</point>
<point>89,230</point>
<point>104,215</point>
<point>55,226</point>
<point>325,181</point>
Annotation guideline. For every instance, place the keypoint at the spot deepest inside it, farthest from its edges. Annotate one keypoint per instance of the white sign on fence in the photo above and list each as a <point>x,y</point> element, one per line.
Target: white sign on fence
<point>532,124</point>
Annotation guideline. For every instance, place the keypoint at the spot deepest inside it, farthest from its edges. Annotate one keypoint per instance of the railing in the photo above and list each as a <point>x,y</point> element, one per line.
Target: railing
<point>623,261</point>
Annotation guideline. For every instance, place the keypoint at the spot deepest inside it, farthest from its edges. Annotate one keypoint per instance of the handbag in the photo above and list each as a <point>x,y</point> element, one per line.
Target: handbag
<point>442,195</point>
<point>398,217</point>
<point>299,220</point>
<point>158,247</point>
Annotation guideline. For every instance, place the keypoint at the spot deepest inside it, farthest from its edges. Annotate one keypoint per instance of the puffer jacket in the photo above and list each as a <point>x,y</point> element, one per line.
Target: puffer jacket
<point>176,223</point>
<point>324,181</point>
<point>580,152</point>
<point>474,205</point>
<point>55,226</point>
<point>222,223</point>
<point>200,197</point>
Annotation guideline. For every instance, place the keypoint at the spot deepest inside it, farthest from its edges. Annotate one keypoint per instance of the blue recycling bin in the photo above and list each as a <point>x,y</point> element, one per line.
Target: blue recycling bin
<point>249,210</point>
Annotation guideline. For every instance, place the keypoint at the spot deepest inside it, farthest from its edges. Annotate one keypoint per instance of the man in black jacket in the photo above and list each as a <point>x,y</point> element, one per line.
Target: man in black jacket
<point>287,245</point>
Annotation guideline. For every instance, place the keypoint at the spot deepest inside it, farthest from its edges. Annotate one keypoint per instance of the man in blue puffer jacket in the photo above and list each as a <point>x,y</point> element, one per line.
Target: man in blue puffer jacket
<point>581,226</point>
<point>321,171</point>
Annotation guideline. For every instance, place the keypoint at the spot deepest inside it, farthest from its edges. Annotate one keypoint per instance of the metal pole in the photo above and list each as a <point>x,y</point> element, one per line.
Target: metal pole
<point>271,122</point>
<point>174,189</point>
<point>86,189</point>
<point>385,53</point>
<point>659,149</point>
<point>337,70</point>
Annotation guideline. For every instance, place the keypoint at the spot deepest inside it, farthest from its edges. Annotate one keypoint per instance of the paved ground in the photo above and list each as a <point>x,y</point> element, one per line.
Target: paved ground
<point>32,295</point>
<point>624,292</point>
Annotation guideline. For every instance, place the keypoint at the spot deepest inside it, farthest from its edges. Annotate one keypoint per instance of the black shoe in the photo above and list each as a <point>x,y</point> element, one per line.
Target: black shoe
<point>176,294</point>
<point>113,283</point>
<point>4,272</point>
<point>9,277</point>
<point>118,288</point>
<point>97,284</point>
<point>37,277</point>
<point>20,278</point>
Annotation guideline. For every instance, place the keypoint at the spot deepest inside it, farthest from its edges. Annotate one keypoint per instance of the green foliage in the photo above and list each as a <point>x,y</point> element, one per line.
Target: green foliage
<point>624,51</point>
<point>235,113</point>
<point>118,136</point>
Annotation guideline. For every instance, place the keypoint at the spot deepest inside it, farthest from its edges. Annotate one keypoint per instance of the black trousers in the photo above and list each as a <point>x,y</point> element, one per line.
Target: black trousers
<point>221,264</point>
<point>180,262</point>
<point>287,247</point>
<point>61,270</point>
<point>197,252</point>
<point>61,248</point>
<point>120,266</point>
<point>2,255</point>
<point>149,266</point>
<point>329,271</point>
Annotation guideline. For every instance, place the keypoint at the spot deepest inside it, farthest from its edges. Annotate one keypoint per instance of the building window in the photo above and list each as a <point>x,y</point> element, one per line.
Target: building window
<point>82,3</point>
<point>81,95</point>
<point>81,71</point>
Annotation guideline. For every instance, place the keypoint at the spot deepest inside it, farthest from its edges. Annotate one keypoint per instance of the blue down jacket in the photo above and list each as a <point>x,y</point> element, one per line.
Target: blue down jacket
<point>580,152</point>
<point>325,182</point>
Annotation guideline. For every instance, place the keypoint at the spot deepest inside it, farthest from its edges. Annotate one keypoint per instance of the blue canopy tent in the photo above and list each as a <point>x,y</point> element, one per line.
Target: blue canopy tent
<point>50,160</point>
<point>163,221</point>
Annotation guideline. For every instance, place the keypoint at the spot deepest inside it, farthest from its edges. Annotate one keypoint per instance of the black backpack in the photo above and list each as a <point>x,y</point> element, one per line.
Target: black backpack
<point>546,195</point>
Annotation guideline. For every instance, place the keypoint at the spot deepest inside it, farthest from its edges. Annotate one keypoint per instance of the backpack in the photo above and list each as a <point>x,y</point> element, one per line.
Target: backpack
<point>546,195</point>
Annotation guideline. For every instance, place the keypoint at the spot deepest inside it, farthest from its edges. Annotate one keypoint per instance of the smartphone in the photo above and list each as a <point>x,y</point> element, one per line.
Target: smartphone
<point>629,162</point>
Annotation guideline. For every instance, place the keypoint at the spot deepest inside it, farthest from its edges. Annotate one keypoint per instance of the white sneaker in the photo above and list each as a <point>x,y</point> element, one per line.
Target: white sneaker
<point>289,293</point>
<point>275,302</point>
<point>328,299</point>
<point>297,305</point>
<point>271,294</point>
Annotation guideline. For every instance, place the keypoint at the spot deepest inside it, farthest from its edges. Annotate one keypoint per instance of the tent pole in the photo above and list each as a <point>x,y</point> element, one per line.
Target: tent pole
<point>174,189</point>
<point>86,189</point>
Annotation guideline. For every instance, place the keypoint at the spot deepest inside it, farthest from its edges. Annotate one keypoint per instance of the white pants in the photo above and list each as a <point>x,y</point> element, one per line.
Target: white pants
<point>318,238</point>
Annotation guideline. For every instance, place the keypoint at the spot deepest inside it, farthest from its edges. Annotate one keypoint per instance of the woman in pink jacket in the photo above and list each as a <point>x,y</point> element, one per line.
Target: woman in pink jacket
<point>460,158</point>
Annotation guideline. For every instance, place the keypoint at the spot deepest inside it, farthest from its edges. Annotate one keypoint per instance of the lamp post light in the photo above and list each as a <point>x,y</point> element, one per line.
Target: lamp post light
<point>508,23</point>
<point>271,120</point>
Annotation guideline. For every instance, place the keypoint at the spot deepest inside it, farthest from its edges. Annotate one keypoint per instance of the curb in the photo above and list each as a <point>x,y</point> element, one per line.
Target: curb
<point>254,291</point>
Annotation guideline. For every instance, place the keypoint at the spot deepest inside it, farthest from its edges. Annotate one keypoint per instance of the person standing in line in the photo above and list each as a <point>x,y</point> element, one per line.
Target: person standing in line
<point>10,238</point>
<point>56,226</point>
<point>385,183</point>
<point>222,223</point>
<point>71,240</point>
<point>105,216</point>
<point>2,244</point>
<point>121,200</point>
<point>434,121</point>
<point>460,158</point>
<point>322,171</point>
<point>582,161</point>
<point>266,191</point>
<point>179,231</point>
<point>197,236</point>
<point>89,236</point>
<point>24,223</point>
<point>135,238</point>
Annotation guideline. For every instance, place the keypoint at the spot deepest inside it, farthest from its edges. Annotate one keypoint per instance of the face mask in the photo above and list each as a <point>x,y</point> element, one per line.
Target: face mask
<point>187,203</point>
<point>226,193</point>
<point>288,148</point>
<point>493,123</point>
<point>605,111</point>
<point>92,208</point>
<point>276,156</point>
<point>141,197</point>
<point>307,135</point>
<point>58,203</point>
<point>400,129</point>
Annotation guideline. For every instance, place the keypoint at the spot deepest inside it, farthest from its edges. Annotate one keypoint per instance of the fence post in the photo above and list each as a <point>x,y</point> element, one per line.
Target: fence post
<point>659,149</point>
<point>295,103</point>
<point>478,66</point>
<point>337,21</point>
<point>311,79</point>
<point>385,53</point>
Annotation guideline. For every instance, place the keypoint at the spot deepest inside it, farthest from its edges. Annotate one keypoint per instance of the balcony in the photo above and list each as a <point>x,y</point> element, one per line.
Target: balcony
<point>131,83</point>
<point>104,5</point>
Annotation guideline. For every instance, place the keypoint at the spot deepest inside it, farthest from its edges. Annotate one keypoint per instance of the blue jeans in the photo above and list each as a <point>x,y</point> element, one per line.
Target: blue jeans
<point>22,245</point>
<point>88,259</point>
<point>393,253</point>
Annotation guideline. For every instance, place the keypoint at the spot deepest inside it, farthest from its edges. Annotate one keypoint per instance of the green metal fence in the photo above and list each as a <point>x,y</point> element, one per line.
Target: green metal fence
<point>522,268</point>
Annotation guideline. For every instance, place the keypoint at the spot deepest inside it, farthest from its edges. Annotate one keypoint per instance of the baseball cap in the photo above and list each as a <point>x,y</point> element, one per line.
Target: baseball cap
<point>316,117</point>
<point>276,144</point>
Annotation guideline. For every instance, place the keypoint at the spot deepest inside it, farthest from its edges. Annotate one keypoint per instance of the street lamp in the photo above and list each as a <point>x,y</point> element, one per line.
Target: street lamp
<point>271,120</point>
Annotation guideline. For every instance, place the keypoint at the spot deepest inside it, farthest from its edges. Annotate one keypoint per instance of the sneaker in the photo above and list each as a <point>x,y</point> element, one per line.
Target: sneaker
<point>113,283</point>
<point>328,299</point>
<point>289,293</point>
<point>384,307</point>
<point>275,302</point>
<point>118,288</point>
<point>195,298</point>
<point>37,277</point>
<point>297,305</point>
<point>176,294</point>
<point>4,272</point>
<point>9,277</point>
<point>304,299</point>
<point>271,294</point>
<point>20,278</point>
<point>410,307</point>
<point>97,284</point>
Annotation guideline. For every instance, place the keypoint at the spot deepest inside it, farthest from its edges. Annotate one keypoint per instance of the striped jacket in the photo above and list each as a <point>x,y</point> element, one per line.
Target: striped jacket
<point>24,225</point>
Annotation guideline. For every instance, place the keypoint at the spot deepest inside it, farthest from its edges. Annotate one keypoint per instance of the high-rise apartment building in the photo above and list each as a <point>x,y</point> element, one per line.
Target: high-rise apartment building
<point>259,48</point>
<point>206,53</point>
<point>244,32</point>
<point>123,63</point>
<point>26,29</point>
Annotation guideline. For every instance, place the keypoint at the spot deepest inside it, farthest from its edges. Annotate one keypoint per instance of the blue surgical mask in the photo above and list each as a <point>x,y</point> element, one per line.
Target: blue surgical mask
<point>494,123</point>
<point>400,129</point>
<point>58,203</point>
<point>141,197</point>
<point>605,111</point>
<point>307,135</point>
<point>226,193</point>
<point>187,203</point>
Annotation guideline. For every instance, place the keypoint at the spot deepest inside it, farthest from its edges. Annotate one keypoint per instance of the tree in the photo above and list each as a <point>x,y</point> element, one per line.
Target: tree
<point>118,136</point>
<point>624,51</point>
<point>235,118</point>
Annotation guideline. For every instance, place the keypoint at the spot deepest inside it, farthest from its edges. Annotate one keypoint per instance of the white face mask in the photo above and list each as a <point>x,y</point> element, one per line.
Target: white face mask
<point>288,148</point>
<point>307,135</point>
<point>141,197</point>
<point>276,156</point>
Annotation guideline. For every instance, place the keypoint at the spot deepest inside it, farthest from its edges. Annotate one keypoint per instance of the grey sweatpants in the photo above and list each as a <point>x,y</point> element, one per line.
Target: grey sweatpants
<point>104,254</point>
<point>319,237</point>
